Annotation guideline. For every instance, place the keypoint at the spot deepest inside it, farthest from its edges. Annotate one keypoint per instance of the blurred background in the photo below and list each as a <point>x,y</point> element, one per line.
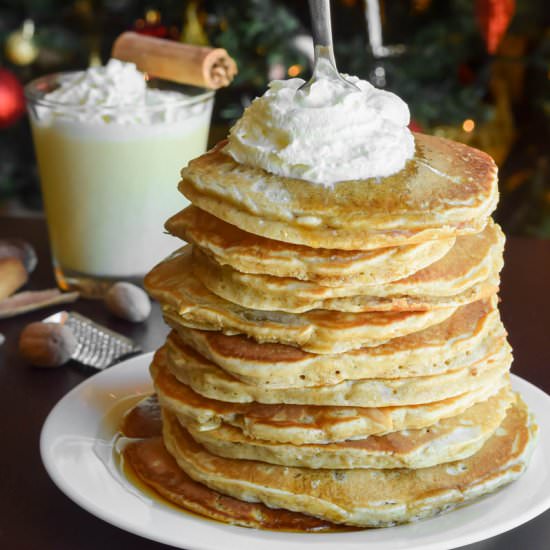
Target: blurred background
<point>477,71</point>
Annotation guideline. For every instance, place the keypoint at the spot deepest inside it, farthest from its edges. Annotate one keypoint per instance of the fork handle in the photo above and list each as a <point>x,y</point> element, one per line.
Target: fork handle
<point>322,29</point>
<point>320,22</point>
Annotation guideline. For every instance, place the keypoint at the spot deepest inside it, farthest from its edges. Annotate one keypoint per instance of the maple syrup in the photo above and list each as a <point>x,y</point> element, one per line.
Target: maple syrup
<point>138,421</point>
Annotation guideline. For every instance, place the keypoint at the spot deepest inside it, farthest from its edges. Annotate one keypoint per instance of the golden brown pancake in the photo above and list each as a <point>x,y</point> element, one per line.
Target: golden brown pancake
<point>451,439</point>
<point>463,337</point>
<point>468,272</point>
<point>209,380</point>
<point>155,467</point>
<point>447,189</point>
<point>187,302</point>
<point>362,497</point>
<point>300,424</point>
<point>248,253</point>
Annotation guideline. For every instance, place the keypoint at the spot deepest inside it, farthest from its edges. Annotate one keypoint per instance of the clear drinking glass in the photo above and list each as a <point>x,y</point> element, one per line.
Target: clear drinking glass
<point>110,182</point>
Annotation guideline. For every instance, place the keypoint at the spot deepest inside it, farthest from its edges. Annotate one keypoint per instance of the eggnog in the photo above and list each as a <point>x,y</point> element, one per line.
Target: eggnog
<point>109,152</point>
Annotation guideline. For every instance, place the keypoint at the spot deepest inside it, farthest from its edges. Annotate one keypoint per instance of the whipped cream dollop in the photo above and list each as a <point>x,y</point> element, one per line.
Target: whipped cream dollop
<point>114,93</point>
<point>324,134</point>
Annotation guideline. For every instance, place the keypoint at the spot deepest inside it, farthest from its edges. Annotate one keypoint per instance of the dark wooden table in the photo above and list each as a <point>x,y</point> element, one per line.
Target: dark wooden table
<point>34,514</point>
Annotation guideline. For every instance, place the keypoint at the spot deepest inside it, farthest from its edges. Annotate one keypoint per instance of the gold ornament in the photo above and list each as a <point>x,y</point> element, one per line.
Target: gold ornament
<point>20,45</point>
<point>193,30</point>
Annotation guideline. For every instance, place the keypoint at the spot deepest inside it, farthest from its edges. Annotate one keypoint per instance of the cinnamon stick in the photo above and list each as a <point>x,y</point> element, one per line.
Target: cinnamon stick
<point>23,302</point>
<point>183,63</point>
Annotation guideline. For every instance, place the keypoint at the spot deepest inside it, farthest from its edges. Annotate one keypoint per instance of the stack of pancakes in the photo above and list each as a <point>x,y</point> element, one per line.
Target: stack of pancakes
<point>337,351</point>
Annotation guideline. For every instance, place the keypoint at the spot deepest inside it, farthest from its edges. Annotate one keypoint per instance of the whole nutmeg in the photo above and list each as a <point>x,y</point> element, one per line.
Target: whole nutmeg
<point>129,302</point>
<point>47,344</point>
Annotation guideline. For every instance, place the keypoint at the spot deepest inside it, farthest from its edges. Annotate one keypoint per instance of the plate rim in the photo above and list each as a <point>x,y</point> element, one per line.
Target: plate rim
<point>260,538</point>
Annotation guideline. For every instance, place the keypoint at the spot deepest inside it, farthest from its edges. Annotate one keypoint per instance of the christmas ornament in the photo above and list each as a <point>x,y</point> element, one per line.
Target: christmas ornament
<point>415,126</point>
<point>493,17</point>
<point>20,45</point>
<point>193,31</point>
<point>151,25</point>
<point>12,100</point>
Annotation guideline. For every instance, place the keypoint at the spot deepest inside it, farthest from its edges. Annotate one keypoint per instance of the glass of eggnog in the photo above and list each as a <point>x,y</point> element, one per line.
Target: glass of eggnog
<point>110,146</point>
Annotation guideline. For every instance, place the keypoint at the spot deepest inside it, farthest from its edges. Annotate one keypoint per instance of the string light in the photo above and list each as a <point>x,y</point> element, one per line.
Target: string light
<point>152,17</point>
<point>468,125</point>
<point>294,70</point>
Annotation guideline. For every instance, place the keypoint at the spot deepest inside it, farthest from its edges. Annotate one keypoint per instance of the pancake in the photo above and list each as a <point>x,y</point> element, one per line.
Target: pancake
<point>300,424</point>
<point>446,346</point>
<point>362,497</point>
<point>468,272</point>
<point>189,303</point>
<point>155,467</point>
<point>209,380</point>
<point>248,253</point>
<point>448,440</point>
<point>447,189</point>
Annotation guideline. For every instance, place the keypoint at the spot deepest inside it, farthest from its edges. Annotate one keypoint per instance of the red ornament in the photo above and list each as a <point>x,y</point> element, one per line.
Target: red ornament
<point>415,126</point>
<point>493,17</point>
<point>158,31</point>
<point>151,25</point>
<point>12,100</point>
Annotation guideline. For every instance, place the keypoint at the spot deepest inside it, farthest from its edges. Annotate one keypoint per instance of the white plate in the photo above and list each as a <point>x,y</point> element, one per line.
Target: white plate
<point>87,417</point>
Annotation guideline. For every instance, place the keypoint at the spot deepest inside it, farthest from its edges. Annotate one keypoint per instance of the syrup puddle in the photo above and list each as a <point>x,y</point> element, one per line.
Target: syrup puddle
<point>109,447</point>
<point>110,443</point>
<point>139,415</point>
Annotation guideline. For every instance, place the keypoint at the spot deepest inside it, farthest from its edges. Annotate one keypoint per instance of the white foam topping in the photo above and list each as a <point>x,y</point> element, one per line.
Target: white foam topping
<point>324,134</point>
<point>115,93</point>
